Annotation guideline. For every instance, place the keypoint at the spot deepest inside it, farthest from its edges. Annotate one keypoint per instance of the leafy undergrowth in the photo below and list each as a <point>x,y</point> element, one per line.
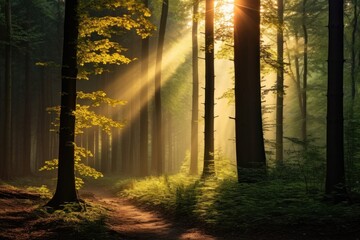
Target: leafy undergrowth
<point>268,209</point>
<point>22,216</point>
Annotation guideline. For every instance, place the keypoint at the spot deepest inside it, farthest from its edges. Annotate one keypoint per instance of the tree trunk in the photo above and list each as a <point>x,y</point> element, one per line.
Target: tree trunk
<point>353,51</point>
<point>158,151</point>
<point>250,151</point>
<point>26,161</point>
<point>195,93</point>
<point>351,128</point>
<point>280,84</point>
<point>335,172</point>
<point>209,167</point>
<point>6,132</point>
<point>144,110</point>
<point>65,189</point>
<point>305,75</point>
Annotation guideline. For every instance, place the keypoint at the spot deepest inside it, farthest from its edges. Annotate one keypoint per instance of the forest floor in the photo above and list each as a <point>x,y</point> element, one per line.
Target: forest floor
<point>110,217</point>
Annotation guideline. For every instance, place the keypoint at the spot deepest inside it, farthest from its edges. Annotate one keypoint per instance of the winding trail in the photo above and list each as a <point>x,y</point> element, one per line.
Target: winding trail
<point>131,222</point>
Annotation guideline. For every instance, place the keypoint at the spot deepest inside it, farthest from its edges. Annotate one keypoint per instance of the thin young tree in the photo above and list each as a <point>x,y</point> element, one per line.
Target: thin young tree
<point>144,111</point>
<point>65,188</point>
<point>209,168</point>
<point>157,141</point>
<point>305,74</point>
<point>280,83</point>
<point>250,152</point>
<point>335,170</point>
<point>195,93</point>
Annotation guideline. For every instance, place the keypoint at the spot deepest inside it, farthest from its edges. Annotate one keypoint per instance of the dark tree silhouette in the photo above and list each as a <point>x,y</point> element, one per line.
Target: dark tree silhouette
<point>280,84</point>
<point>209,90</point>
<point>65,189</point>
<point>195,93</point>
<point>305,74</point>
<point>335,171</point>
<point>157,141</point>
<point>6,131</point>
<point>250,151</point>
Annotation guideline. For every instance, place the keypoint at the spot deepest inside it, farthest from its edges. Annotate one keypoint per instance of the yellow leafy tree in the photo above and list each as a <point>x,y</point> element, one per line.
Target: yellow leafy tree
<point>101,24</point>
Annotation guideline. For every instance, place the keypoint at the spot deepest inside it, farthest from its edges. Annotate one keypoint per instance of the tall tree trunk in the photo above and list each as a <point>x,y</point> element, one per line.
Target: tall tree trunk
<point>7,131</point>
<point>105,153</point>
<point>335,172</point>
<point>353,50</point>
<point>250,152</point>
<point>305,75</point>
<point>195,93</point>
<point>65,189</point>
<point>280,84</point>
<point>168,127</point>
<point>158,151</point>
<point>351,128</point>
<point>209,167</point>
<point>144,111</point>
<point>26,161</point>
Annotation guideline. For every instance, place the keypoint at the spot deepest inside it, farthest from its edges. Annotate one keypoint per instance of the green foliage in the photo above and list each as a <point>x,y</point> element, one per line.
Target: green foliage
<point>228,205</point>
<point>101,25</point>
<point>74,224</point>
<point>307,161</point>
<point>43,190</point>
<point>86,118</point>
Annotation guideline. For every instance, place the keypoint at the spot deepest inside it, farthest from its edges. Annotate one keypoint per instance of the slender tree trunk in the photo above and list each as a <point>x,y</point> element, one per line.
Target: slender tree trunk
<point>169,141</point>
<point>125,151</point>
<point>158,151</point>
<point>353,51</point>
<point>335,171</point>
<point>195,93</point>
<point>105,153</point>
<point>209,167</point>
<point>280,84</point>
<point>7,131</point>
<point>351,128</point>
<point>250,152</point>
<point>26,161</point>
<point>144,111</point>
<point>305,76</point>
<point>65,189</point>
<point>296,76</point>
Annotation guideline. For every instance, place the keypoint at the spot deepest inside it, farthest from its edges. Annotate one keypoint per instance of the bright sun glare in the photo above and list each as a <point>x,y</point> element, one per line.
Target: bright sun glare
<point>226,10</point>
<point>225,6</point>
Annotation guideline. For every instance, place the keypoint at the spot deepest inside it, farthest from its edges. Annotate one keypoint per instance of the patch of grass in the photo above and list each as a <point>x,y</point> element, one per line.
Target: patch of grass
<point>225,204</point>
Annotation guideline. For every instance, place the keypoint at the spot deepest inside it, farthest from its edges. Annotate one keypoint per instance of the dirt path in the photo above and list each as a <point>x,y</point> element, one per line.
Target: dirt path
<point>131,222</point>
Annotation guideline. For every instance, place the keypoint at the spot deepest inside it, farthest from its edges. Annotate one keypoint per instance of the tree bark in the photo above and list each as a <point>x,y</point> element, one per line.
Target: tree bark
<point>144,112</point>
<point>250,152</point>
<point>65,189</point>
<point>158,151</point>
<point>305,76</point>
<point>209,167</point>
<point>280,84</point>
<point>6,131</point>
<point>26,161</point>
<point>353,50</point>
<point>195,94</point>
<point>335,170</point>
